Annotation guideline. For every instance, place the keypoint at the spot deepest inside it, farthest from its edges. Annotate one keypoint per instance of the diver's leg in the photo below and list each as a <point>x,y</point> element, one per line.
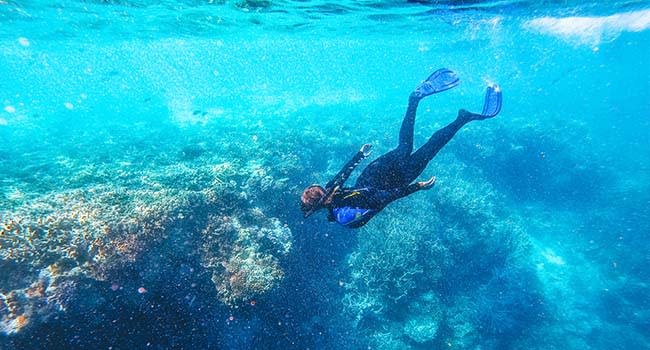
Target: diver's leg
<point>405,145</point>
<point>385,171</point>
<point>396,170</point>
<point>421,158</point>
<point>441,80</point>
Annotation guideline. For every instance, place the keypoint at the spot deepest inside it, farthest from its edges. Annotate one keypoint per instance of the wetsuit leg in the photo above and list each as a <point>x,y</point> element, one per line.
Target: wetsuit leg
<point>419,160</point>
<point>386,172</point>
<point>408,125</point>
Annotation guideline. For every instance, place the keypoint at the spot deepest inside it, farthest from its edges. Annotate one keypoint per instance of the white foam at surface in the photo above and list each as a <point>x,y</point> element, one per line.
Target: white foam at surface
<point>591,30</point>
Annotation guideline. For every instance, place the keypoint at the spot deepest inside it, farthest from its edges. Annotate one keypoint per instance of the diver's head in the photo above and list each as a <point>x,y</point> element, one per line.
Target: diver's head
<point>311,199</point>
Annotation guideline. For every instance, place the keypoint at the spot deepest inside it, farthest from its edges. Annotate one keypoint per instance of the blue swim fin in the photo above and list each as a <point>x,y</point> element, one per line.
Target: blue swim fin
<point>441,80</point>
<point>492,104</point>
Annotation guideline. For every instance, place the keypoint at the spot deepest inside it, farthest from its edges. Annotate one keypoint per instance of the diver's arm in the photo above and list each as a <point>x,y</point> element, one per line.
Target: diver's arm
<point>343,175</point>
<point>386,196</point>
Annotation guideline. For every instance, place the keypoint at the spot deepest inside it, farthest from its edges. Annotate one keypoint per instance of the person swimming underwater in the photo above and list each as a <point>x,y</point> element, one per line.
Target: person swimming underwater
<point>390,176</point>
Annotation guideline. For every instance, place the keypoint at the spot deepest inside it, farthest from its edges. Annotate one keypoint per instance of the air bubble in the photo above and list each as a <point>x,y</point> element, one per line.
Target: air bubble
<point>23,41</point>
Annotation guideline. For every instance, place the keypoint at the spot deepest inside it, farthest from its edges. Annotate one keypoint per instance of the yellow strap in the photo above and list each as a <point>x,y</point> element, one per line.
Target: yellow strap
<point>352,194</point>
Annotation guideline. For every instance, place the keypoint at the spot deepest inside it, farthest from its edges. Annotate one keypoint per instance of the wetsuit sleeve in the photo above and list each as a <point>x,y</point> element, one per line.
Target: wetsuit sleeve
<point>344,174</point>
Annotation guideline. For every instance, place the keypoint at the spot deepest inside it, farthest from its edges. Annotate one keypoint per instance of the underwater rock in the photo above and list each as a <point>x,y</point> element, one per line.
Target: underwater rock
<point>190,152</point>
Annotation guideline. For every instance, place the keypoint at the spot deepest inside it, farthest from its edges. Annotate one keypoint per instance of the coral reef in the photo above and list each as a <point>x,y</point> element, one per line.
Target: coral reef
<point>382,278</point>
<point>86,226</point>
<point>48,244</point>
<point>421,277</point>
<point>48,294</point>
<point>245,259</point>
<point>425,317</point>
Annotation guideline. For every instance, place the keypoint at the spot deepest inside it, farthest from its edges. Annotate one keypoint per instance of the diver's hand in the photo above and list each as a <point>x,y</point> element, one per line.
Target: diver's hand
<point>426,185</point>
<point>365,149</point>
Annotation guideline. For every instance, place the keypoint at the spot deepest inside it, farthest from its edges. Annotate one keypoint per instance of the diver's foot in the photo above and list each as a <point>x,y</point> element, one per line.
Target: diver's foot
<point>426,185</point>
<point>441,80</point>
<point>491,106</point>
<point>467,116</point>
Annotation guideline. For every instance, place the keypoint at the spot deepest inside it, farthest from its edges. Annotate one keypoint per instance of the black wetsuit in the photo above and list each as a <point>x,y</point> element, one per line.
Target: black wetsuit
<point>388,177</point>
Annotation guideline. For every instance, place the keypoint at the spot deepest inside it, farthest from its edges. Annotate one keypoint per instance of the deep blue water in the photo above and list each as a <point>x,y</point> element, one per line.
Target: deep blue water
<point>153,153</point>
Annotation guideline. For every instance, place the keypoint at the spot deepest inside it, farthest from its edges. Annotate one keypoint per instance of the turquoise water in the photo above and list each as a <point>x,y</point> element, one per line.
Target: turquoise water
<point>153,154</point>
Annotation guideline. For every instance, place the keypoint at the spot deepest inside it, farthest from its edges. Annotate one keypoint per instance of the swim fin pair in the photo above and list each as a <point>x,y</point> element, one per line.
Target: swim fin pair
<point>445,79</point>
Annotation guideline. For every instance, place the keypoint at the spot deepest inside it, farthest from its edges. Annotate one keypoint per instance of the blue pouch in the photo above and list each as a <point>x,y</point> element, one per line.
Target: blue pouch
<point>348,215</point>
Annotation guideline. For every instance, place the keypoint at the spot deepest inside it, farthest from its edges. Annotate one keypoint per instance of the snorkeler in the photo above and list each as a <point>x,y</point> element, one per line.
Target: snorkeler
<point>389,177</point>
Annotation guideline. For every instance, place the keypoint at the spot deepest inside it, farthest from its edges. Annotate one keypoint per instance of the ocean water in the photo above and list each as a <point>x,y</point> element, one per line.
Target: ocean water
<point>153,153</point>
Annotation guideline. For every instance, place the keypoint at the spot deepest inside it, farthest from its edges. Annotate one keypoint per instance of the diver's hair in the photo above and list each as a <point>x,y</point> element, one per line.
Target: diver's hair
<point>311,196</point>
